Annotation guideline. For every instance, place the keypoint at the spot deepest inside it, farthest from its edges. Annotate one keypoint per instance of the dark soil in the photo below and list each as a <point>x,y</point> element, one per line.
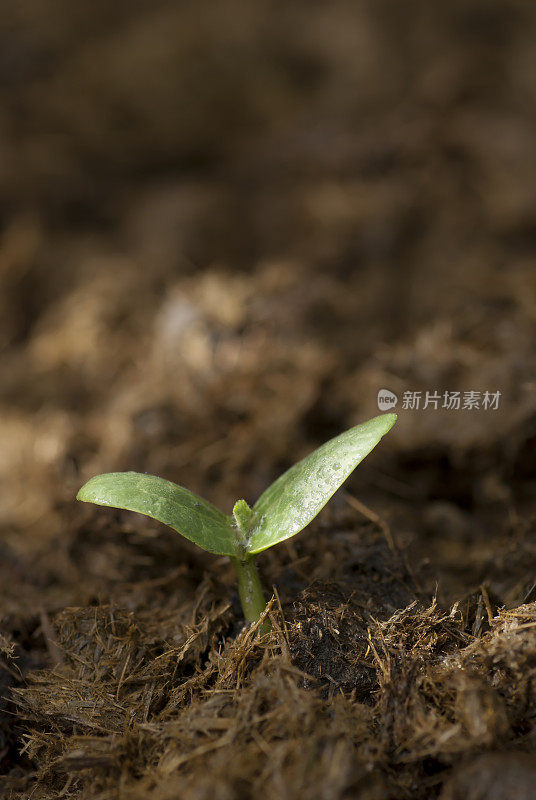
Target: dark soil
<point>223,231</point>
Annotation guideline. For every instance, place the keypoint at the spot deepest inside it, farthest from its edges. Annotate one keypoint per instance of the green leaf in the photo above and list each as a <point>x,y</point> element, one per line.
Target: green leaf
<point>185,512</point>
<point>294,499</point>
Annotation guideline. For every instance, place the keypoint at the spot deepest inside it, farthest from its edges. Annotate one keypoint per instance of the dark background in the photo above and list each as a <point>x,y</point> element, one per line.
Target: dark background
<point>226,226</point>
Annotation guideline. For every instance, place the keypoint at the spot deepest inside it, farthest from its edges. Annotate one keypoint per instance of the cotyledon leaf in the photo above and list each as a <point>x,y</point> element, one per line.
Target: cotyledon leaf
<point>191,516</point>
<point>294,499</point>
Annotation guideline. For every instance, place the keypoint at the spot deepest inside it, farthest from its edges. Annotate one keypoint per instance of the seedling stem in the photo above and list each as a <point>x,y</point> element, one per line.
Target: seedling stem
<point>250,590</point>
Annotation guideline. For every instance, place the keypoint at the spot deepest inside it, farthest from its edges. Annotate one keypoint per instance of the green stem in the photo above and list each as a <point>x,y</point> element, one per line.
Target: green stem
<point>250,590</point>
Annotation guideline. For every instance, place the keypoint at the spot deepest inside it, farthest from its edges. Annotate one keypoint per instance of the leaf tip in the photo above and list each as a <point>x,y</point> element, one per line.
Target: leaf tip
<point>382,423</point>
<point>84,494</point>
<point>89,492</point>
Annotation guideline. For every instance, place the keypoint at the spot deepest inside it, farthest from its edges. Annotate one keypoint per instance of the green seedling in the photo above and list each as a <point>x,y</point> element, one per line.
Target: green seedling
<point>282,511</point>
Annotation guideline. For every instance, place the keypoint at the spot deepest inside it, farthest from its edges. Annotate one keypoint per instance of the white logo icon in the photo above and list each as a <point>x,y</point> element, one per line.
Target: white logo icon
<point>386,399</point>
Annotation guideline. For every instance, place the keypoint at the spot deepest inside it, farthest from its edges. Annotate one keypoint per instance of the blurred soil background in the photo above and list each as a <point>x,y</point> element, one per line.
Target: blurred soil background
<point>223,228</point>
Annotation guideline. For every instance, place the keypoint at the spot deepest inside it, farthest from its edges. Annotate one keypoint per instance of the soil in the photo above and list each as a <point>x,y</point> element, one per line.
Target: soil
<point>223,231</point>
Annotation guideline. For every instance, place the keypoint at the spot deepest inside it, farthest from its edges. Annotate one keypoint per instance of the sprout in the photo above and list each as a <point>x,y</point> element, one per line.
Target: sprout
<point>282,511</point>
